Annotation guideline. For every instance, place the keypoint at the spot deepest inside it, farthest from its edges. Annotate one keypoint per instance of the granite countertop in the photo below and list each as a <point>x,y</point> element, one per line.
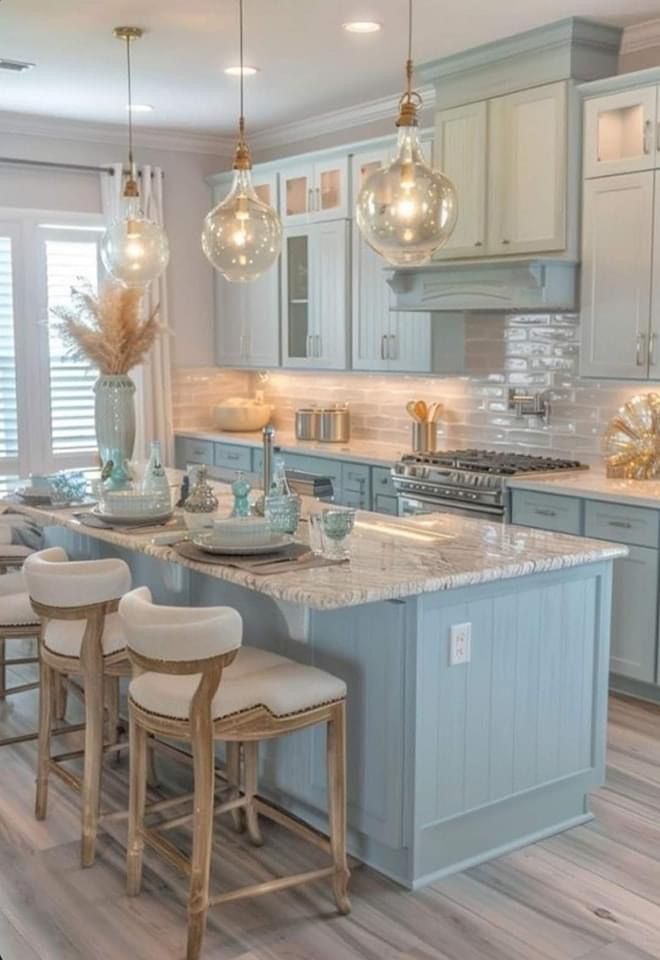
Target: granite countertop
<point>376,452</point>
<point>594,485</point>
<point>392,558</point>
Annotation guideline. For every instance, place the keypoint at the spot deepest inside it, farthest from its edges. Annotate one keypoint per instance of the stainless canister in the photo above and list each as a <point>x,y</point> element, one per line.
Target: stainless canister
<point>335,425</point>
<point>308,424</point>
<point>424,437</point>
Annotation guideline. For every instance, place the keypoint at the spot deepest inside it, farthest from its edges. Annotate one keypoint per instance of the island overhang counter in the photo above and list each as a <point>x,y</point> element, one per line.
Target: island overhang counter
<point>448,764</point>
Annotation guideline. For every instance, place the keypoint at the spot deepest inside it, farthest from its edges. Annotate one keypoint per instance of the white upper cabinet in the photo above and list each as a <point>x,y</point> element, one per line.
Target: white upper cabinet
<point>314,191</point>
<point>382,338</point>
<point>527,171</point>
<point>620,132</point>
<point>314,296</point>
<point>460,152</point>
<point>617,336</point>
<point>248,314</point>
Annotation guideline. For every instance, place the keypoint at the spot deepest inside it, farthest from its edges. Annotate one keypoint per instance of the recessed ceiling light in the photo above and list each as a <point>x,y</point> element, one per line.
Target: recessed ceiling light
<point>140,108</point>
<point>15,66</point>
<point>236,71</point>
<point>362,26</point>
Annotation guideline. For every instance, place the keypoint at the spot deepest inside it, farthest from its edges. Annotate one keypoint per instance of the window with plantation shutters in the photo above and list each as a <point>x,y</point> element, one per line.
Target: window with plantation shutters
<point>8,416</point>
<point>46,396</point>
<point>71,257</point>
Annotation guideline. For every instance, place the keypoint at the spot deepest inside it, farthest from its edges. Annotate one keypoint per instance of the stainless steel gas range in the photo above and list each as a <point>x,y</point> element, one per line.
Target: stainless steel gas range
<point>466,482</point>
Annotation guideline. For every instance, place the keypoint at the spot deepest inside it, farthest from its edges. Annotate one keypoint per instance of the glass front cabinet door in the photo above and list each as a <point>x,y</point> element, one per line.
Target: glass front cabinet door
<point>621,132</point>
<point>314,191</point>
<point>314,302</point>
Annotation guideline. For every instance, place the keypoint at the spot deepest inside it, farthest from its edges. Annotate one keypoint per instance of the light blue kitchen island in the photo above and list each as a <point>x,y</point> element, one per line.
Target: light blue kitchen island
<point>448,765</point>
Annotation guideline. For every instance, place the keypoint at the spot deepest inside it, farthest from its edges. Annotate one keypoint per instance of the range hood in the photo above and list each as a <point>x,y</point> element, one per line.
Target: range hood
<point>503,285</point>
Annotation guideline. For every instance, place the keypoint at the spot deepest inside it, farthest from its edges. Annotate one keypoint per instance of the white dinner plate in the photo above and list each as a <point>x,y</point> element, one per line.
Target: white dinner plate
<point>133,521</point>
<point>206,543</point>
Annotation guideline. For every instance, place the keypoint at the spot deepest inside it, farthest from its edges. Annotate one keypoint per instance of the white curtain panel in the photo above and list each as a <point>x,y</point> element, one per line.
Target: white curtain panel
<point>153,380</point>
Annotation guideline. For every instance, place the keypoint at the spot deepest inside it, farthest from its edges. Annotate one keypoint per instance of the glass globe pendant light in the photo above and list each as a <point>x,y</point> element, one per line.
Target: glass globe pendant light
<point>242,236</point>
<point>406,210</point>
<point>134,249</point>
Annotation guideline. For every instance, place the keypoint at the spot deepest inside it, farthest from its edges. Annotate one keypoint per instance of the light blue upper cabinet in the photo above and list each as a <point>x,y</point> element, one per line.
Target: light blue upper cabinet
<point>248,314</point>
<point>382,339</point>
<point>314,190</point>
<point>315,296</point>
<point>461,140</point>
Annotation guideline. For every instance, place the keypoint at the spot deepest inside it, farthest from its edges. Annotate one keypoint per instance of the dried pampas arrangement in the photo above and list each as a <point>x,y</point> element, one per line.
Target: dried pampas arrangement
<point>107,330</point>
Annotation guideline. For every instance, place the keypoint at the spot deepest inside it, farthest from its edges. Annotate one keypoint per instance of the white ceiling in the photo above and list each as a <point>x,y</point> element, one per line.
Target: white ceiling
<point>309,65</point>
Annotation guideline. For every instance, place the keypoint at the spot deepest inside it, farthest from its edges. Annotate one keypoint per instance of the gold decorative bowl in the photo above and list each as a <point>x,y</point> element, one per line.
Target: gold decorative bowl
<point>632,440</point>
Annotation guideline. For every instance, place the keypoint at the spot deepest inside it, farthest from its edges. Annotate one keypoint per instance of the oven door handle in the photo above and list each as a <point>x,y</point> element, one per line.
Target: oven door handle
<point>439,505</point>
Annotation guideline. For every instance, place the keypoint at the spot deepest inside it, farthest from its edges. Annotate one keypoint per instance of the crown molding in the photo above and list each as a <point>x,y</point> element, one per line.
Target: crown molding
<point>641,36</point>
<point>335,121</point>
<point>159,139</point>
<point>324,124</point>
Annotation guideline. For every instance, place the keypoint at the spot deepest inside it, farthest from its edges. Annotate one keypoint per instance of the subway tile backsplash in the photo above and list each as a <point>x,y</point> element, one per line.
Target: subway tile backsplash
<point>537,351</point>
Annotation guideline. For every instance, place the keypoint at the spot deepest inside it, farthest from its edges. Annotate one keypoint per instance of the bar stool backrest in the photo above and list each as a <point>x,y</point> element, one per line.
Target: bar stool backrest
<point>181,640</point>
<point>59,583</point>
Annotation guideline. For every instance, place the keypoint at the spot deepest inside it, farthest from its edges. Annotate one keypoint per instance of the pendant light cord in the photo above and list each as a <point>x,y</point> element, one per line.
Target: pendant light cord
<point>241,122</point>
<point>130,105</point>
<point>409,62</point>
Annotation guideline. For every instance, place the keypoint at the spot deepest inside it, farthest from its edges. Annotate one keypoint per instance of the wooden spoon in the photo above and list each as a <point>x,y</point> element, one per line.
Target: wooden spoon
<point>420,410</point>
<point>434,411</point>
<point>411,407</point>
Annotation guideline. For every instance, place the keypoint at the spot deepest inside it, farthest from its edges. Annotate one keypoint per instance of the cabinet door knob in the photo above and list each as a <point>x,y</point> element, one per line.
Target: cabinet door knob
<point>478,243</point>
<point>506,241</point>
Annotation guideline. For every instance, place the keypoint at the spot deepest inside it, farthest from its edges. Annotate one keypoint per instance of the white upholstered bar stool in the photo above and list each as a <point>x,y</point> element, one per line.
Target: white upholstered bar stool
<point>81,635</point>
<point>194,682</point>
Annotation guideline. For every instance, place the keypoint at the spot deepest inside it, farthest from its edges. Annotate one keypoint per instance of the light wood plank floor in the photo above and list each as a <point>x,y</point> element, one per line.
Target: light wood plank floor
<point>591,893</point>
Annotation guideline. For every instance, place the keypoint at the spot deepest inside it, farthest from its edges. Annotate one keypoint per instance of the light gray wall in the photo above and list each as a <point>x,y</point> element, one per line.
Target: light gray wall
<point>187,200</point>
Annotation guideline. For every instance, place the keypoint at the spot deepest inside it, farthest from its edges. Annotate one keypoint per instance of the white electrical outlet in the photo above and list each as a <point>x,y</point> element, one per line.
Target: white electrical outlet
<point>460,643</point>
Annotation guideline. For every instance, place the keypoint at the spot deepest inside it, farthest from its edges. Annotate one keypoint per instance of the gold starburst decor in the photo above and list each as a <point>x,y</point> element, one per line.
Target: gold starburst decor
<point>632,440</point>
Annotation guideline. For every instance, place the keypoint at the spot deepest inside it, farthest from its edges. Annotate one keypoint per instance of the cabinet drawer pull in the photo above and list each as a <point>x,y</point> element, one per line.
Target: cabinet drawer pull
<point>647,136</point>
<point>640,349</point>
<point>506,241</point>
<point>478,243</point>
<point>232,456</point>
<point>625,524</point>
<point>199,451</point>
<point>546,512</point>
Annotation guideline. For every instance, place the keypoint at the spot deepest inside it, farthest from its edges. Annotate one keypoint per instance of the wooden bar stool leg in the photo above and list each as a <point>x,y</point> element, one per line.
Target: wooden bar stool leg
<point>61,696</point>
<point>91,788</point>
<point>203,750</point>
<point>46,683</point>
<point>112,708</point>
<point>152,768</point>
<point>137,798</point>
<point>336,756</point>
<point>233,754</point>
<point>3,669</point>
<point>251,773</point>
